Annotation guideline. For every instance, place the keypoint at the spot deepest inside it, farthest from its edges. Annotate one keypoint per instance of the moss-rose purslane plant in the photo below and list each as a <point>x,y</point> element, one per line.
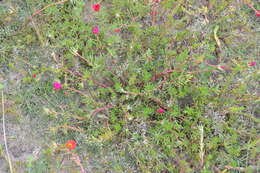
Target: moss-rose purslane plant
<point>161,78</point>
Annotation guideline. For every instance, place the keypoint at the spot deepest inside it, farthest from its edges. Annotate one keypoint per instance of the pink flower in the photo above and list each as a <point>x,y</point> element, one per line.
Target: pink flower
<point>95,30</point>
<point>160,110</point>
<point>57,85</point>
<point>251,64</point>
<point>223,67</point>
<point>153,13</point>
<point>257,13</point>
<point>34,76</point>
<point>96,7</point>
<point>117,30</point>
<point>169,71</point>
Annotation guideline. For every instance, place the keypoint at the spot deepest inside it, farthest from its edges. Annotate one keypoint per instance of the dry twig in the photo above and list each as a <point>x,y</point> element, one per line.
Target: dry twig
<point>49,5</point>
<point>5,140</point>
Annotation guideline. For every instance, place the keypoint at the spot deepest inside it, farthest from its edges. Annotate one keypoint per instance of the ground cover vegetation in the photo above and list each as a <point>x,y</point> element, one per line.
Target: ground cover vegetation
<point>153,86</point>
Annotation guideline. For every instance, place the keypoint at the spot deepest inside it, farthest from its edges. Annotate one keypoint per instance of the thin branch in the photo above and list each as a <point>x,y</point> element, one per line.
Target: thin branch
<point>157,76</point>
<point>83,58</point>
<point>87,96</point>
<point>102,109</point>
<point>78,91</point>
<point>154,99</point>
<point>5,140</point>
<point>89,78</point>
<point>49,5</point>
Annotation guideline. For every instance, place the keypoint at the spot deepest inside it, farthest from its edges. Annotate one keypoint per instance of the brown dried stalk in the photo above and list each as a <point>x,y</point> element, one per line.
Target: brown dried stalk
<point>5,140</point>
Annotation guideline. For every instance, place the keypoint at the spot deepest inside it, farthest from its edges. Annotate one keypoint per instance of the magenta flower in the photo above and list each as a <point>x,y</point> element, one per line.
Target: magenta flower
<point>251,64</point>
<point>160,110</point>
<point>57,85</point>
<point>95,30</point>
<point>257,13</point>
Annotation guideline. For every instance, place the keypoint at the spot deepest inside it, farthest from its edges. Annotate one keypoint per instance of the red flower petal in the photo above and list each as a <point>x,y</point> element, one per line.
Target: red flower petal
<point>96,7</point>
<point>34,75</point>
<point>71,144</point>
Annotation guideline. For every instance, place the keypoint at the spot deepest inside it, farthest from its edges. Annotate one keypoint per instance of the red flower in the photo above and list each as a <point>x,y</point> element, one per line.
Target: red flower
<point>117,30</point>
<point>160,110</point>
<point>71,144</point>
<point>96,7</point>
<point>257,13</point>
<point>253,63</point>
<point>34,75</point>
